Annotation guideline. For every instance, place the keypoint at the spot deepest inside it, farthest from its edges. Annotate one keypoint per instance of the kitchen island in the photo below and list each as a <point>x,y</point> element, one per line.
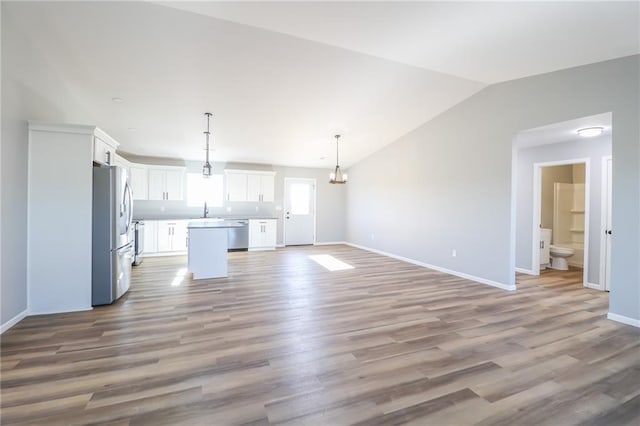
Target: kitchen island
<point>207,248</point>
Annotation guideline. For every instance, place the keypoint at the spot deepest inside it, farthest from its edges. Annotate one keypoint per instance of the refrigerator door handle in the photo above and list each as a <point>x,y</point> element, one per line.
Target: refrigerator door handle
<point>127,190</point>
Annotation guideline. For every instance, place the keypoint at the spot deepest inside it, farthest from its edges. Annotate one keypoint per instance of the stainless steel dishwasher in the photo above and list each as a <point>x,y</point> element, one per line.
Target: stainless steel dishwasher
<point>238,237</point>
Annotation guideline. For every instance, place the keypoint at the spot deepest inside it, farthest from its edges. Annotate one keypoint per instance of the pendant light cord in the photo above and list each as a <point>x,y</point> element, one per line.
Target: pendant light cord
<point>207,133</point>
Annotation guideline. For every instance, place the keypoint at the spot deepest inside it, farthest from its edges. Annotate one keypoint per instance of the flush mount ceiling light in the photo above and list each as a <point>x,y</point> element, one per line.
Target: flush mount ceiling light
<point>117,100</point>
<point>206,169</point>
<point>336,176</point>
<point>589,132</point>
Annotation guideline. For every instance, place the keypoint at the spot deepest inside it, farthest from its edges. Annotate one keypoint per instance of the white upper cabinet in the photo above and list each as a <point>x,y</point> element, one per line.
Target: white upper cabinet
<point>260,187</point>
<point>104,148</point>
<point>139,182</point>
<point>236,187</point>
<point>250,185</point>
<point>174,182</point>
<point>166,183</point>
<point>157,184</point>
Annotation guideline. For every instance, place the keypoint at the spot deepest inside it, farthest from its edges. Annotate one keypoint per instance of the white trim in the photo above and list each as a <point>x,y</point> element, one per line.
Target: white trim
<point>624,320</point>
<point>604,206</point>
<point>81,129</point>
<point>525,271</point>
<point>279,245</point>
<point>593,286</point>
<point>65,311</point>
<point>513,215</point>
<point>502,286</point>
<point>537,206</point>
<point>13,321</point>
<point>315,208</point>
<point>329,243</point>
<point>252,172</point>
<point>165,253</point>
<point>536,218</point>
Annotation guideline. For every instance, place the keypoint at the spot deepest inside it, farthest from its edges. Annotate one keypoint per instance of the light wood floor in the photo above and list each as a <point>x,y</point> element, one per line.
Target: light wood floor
<point>285,341</point>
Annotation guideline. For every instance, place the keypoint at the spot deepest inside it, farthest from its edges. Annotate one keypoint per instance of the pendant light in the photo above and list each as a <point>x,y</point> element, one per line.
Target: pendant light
<point>206,169</point>
<point>336,176</point>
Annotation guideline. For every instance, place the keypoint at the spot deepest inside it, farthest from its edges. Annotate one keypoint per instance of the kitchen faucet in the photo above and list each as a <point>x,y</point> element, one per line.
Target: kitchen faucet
<point>206,210</point>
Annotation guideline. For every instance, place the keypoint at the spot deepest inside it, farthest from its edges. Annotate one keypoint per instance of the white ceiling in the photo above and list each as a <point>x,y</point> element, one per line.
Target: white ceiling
<point>278,98</point>
<point>476,40</point>
<point>564,131</point>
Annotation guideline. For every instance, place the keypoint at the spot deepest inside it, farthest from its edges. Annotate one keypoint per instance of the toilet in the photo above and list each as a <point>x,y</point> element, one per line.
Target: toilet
<point>559,256</point>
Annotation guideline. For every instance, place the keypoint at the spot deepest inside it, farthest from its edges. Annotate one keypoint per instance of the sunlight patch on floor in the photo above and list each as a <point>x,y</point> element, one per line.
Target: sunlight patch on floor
<point>179,277</point>
<point>330,262</point>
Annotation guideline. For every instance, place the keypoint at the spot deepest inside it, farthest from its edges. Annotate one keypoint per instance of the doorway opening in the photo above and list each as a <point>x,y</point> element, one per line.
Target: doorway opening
<point>561,202</point>
<point>560,232</point>
<point>300,211</point>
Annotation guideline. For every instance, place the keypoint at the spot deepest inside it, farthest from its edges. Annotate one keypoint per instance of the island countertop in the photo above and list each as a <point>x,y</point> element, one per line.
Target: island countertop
<point>213,223</point>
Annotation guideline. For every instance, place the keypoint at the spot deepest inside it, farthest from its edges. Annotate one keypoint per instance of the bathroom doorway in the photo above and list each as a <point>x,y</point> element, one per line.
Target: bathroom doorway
<point>581,229</point>
<point>560,233</point>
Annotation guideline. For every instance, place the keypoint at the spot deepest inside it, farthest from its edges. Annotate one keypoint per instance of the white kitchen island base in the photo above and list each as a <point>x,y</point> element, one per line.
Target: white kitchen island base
<point>208,243</point>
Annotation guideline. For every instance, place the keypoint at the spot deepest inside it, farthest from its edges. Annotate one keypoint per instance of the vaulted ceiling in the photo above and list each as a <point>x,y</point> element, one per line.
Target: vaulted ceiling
<point>282,78</point>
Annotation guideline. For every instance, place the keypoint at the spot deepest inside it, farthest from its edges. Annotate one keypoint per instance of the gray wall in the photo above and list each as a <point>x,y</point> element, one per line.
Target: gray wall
<point>447,184</point>
<point>13,203</point>
<point>330,199</point>
<point>594,149</point>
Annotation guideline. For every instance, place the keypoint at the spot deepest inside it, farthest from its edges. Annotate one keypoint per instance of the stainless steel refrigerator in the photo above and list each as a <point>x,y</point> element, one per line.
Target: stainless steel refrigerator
<point>112,242</point>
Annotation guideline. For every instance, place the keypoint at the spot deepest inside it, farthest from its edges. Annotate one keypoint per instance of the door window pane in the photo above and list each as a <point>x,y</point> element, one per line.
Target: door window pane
<point>299,197</point>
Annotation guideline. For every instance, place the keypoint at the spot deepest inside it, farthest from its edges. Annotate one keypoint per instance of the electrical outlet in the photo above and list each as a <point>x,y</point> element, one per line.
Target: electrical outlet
<point>229,209</point>
<point>373,237</point>
<point>454,253</point>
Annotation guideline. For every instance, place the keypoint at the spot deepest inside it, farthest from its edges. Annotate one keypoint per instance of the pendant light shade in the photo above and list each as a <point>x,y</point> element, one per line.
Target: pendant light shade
<point>337,176</point>
<point>206,169</point>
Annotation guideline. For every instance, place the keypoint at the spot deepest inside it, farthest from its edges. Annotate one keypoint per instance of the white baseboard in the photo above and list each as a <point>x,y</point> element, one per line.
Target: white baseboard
<point>594,286</point>
<point>165,253</point>
<point>329,243</point>
<point>481,280</point>
<point>66,311</point>
<point>624,320</point>
<point>525,271</point>
<point>279,245</point>
<point>13,321</point>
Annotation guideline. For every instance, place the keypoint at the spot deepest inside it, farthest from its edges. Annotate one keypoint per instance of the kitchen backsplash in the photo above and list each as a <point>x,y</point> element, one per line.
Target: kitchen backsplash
<point>151,209</point>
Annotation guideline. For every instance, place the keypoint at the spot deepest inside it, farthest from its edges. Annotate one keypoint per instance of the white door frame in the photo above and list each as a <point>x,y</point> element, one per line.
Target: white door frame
<point>537,206</point>
<point>604,207</point>
<point>285,200</point>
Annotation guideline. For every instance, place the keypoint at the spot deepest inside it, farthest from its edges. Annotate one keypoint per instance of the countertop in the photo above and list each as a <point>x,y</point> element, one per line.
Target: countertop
<point>212,223</point>
<point>201,218</point>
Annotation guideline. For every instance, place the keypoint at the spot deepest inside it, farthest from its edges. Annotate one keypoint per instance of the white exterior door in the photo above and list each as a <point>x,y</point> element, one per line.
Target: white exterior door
<point>300,211</point>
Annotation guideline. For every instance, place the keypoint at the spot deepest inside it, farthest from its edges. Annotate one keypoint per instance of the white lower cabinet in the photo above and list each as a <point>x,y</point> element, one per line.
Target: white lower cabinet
<point>165,236</point>
<point>150,236</point>
<point>262,234</point>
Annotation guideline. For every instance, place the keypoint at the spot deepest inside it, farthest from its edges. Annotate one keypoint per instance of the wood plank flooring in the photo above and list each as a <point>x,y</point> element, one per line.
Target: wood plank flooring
<point>285,341</point>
